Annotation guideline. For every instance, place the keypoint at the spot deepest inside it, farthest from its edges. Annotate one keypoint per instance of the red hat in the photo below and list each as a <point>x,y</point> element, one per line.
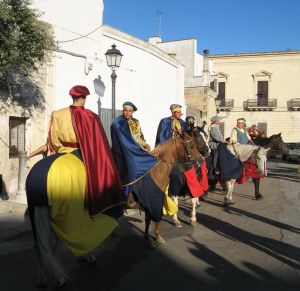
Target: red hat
<point>79,91</point>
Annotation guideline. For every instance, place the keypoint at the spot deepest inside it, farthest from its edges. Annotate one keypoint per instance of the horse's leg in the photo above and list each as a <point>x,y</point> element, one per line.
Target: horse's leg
<point>147,225</point>
<point>228,196</point>
<point>158,236</point>
<point>44,245</point>
<point>256,182</point>
<point>193,220</point>
<point>175,217</point>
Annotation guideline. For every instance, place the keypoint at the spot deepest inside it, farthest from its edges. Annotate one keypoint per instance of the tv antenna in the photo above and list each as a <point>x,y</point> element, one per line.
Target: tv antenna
<point>159,14</point>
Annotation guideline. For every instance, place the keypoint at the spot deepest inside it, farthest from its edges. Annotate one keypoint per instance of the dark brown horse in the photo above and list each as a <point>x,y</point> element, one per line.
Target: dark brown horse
<point>274,142</point>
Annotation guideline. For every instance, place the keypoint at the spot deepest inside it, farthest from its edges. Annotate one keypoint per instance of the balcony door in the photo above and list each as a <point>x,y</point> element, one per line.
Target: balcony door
<point>221,92</point>
<point>262,93</point>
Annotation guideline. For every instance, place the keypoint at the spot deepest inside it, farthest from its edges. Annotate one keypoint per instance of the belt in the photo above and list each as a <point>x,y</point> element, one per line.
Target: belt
<point>70,144</point>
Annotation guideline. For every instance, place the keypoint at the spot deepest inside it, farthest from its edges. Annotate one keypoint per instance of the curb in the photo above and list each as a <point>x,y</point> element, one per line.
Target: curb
<point>12,207</point>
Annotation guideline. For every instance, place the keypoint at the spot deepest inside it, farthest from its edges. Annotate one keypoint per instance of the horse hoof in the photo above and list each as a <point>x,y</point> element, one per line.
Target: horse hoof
<point>177,223</point>
<point>231,202</point>
<point>60,283</point>
<point>91,259</point>
<point>259,197</point>
<point>42,283</point>
<point>160,240</point>
<point>193,222</point>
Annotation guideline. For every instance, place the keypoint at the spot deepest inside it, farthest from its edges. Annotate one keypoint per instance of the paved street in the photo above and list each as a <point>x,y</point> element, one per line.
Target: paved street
<point>252,245</point>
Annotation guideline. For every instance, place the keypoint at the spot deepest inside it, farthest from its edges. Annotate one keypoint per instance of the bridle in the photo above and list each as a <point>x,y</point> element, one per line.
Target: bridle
<point>187,149</point>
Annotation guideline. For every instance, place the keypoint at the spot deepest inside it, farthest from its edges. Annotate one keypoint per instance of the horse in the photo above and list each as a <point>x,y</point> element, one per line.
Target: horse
<point>199,137</point>
<point>183,149</point>
<point>244,152</point>
<point>274,142</point>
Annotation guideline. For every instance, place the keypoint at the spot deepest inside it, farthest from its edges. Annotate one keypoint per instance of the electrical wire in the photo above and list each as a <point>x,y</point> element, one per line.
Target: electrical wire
<point>82,36</point>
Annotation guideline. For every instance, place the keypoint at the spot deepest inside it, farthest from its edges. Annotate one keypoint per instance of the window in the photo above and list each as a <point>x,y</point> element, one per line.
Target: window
<point>16,135</point>
<point>105,117</point>
<point>263,127</point>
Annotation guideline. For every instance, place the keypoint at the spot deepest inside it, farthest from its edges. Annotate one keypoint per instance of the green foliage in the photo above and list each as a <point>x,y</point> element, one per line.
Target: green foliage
<point>25,42</point>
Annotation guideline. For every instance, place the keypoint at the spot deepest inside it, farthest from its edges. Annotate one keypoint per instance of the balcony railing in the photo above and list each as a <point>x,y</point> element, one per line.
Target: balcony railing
<point>226,104</point>
<point>293,104</point>
<point>265,104</point>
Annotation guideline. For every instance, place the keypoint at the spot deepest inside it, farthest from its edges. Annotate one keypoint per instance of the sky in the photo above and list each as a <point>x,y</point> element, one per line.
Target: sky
<point>222,26</point>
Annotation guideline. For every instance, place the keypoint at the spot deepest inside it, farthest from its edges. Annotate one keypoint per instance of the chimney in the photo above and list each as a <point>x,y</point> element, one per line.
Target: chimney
<point>154,40</point>
<point>205,71</point>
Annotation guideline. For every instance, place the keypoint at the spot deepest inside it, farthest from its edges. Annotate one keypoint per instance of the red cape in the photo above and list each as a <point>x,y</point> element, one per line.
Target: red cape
<point>104,187</point>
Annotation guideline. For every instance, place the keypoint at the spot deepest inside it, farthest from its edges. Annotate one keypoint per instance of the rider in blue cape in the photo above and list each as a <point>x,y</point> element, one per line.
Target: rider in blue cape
<point>130,150</point>
<point>170,127</point>
<point>134,161</point>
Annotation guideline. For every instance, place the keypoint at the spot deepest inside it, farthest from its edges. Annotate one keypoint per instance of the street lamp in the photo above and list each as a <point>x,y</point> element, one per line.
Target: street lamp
<point>113,59</point>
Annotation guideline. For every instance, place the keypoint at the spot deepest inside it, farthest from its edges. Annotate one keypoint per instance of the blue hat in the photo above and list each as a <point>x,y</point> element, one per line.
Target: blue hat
<point>189,117</point>
<point>130,104</point>
<point>215,118</point>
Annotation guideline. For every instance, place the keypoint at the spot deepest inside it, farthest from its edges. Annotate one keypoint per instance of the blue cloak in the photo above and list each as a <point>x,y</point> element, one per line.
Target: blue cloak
<point>132,161</point>
<point>164,131</point>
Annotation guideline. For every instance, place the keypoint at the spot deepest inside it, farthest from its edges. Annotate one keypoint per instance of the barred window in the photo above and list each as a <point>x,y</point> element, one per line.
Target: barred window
<point>263,127</point>
<point>105,117</point>
<point>16,135</point>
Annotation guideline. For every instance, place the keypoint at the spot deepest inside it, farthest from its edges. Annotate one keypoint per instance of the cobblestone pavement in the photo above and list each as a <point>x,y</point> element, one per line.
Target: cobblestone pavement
<point>252,245</point>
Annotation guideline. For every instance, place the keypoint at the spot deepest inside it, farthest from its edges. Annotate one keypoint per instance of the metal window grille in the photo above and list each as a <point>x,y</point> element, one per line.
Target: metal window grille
<point>16,135</point>
<point>263,127</point>
<point>105,117</point>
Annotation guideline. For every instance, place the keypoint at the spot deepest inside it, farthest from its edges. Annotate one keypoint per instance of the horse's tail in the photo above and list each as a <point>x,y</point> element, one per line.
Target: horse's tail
<point>46,244</point>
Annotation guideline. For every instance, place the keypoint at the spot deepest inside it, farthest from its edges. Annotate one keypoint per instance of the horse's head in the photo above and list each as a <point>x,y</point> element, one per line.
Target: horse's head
<point>259,157</point>
<point>198,136</point>
<point>278,143</point>
<point>188,148</point>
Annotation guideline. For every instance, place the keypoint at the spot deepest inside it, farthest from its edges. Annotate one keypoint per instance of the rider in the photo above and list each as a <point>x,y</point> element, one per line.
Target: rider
<point>240,135</point>
<point>81,150</point>
<point>131,152</point>
<point>254,132</point>
<point>172,126</point>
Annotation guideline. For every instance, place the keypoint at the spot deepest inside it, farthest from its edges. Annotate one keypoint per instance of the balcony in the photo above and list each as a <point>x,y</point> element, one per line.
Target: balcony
<point>226,104</point>
<point>294,104</point>
<point>260,105</point>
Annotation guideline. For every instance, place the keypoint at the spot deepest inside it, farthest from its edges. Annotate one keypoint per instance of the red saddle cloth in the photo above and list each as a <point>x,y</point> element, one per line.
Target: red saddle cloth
<point>197,187</point>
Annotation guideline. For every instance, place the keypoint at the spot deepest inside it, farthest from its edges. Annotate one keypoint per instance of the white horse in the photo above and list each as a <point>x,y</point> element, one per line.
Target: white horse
<point>244,152</point>
<point>204,150</point>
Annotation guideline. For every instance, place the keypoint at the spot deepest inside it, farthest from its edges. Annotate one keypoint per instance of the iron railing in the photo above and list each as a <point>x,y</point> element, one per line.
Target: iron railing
<point>293,104</point>
<point>226,103</point>
<point>260,104</point>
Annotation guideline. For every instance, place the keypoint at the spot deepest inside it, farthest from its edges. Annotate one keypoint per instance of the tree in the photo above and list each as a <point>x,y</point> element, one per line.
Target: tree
<point>25,43</point>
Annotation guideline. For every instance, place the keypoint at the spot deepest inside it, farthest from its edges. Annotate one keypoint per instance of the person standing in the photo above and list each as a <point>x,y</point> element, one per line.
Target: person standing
<point>240,135</point>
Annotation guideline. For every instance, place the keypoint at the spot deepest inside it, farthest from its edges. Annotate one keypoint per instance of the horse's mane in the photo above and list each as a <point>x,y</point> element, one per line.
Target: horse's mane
<point>166,150</point>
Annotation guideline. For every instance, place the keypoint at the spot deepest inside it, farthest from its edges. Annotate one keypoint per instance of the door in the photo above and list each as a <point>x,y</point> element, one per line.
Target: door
<point>262,93</point>
<point>221,92</point>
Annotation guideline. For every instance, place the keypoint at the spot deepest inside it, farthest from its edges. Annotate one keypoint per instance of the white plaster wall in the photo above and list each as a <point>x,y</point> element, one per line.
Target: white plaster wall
<point>147,77</point>
<point>75,15</point>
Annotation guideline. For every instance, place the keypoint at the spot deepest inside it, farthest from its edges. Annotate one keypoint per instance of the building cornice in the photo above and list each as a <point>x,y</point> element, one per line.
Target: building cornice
<point>133,41</point>
<point>255,54</point>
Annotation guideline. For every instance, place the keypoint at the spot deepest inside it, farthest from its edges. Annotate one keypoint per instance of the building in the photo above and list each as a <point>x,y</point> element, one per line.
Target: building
<point>147,76</point>
<point>264,88</point>
<point>199,77</point>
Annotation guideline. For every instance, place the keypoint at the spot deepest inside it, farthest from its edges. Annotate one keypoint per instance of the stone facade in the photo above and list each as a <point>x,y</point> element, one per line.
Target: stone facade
<point>264,89</point>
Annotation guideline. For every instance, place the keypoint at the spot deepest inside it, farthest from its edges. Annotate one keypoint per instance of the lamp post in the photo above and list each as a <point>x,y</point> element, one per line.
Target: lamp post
<point>113,59</point>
